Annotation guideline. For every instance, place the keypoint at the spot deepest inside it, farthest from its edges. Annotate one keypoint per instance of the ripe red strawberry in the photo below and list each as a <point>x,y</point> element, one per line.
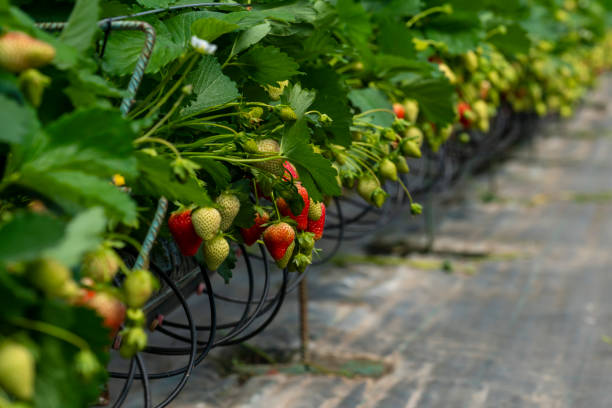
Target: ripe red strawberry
<point>302,218</point>
<point>229,206</point>
<point>290,172</point>
<point>17,370</point>
<point>252,234</point>
<point>215,252</point>
<point>278,238</point>
<point>138,287</point>
<point>19,51</point>
<point>185,236</point>
<point>399,110</point>
<point>465,113</point>
<point>107,306</point>
<point>316,227</point>
<point>206,222</point>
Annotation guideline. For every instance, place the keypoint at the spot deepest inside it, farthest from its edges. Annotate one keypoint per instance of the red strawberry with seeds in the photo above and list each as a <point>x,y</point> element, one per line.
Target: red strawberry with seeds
<point>399,110</point>
<point>278,238</point>
<point>302,218</point>
<point>465,114</point>
<point>252,234</point>
<point>111,309</point>
<point>290,172</point>
<point>316,227</point>
<point>184,234</point>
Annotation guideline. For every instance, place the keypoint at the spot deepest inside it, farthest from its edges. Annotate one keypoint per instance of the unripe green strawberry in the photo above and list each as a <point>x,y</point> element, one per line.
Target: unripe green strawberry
<point>300,262</point>
<point>87,364</point>
<point>101,265</point>
<point>314,211</point>
<point>416,209</point>
<point>287,114</point>
<point>401,164</point>
<point>471,61</point>
<point>206,222</point>
<point>390,135</point>
<point>366,186</point>
<point>19,51</point>
<point>32,84</point>
<point>484,125</point>
<point>412,110</point>
<point>388,170</point>
<point>410,148</point>
<point>134,339</point>
<point>415,134</point>
<point>276,92</point>
<point>229,206</point>
<point>306,240</point>
<point>250,146</point>
<point>284,261</point>
<point>481,108</point>
<point>541,108</point>
<point>215,252</point>
<point>49,276</point>
<point>566,111</point>
<point>17,370</point>
<point>138,287</point>
<point>379,196</point>
<point>274,166</point>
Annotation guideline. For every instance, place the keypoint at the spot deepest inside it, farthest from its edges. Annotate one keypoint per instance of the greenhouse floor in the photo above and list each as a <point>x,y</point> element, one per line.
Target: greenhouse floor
<point>511,309</point>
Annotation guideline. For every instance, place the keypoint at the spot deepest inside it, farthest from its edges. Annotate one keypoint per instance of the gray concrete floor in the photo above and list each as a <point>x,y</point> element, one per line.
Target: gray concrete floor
<point>521,326</point>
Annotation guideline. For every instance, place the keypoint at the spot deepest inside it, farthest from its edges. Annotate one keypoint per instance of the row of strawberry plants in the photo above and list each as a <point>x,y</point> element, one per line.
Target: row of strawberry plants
<point>249,118</point>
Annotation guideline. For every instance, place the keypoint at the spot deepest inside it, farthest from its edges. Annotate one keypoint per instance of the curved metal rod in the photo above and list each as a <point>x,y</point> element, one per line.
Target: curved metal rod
<point>278,300</point>
<point>127,385</point>
<point>145,381</point>
<point>282,292</point>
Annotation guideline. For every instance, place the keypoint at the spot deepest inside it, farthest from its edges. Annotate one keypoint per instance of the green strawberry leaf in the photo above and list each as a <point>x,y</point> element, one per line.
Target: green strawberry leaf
<point>18,122</point>
<point>75,191</point>
<point>26,235</point>
<point>436,98</point>
<point>210,86</point>
<point>369,98</point>
<point>83,233</point>
<point>156,178</point>
<point>354,21</point>
<point>268,65</point>
<point>246,215</point>
<point>210,29</point>
<point>331,99</point>
<point>82,25</point>
<point>316,172</point>
<point>251,37</point>
<point>299,99</point>
<point>124,48</point>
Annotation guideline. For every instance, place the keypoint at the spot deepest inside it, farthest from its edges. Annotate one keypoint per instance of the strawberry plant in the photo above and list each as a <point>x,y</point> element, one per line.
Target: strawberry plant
<point>248,119</point>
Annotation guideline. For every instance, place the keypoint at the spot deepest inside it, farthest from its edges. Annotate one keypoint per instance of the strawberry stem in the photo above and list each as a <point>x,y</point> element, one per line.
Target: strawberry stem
<point>51,330</point>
